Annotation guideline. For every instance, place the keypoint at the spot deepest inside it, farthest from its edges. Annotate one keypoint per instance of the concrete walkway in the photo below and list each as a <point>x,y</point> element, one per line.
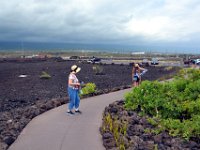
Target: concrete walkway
<point>56,130</point>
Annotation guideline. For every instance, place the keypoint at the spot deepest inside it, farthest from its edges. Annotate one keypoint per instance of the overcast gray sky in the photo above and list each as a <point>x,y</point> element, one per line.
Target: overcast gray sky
<point>101,21</point>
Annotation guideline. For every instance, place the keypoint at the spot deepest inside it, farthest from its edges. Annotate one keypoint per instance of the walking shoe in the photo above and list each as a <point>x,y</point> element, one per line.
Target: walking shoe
<point>70,112</point>
<point>78,112</point>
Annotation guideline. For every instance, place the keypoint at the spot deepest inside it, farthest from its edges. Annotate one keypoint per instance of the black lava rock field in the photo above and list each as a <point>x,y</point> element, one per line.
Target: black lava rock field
<point>24,95</point>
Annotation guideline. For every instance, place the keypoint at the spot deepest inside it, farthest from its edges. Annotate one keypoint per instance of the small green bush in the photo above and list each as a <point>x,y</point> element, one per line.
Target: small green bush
<point>45,75</point>
<point>88,89</point>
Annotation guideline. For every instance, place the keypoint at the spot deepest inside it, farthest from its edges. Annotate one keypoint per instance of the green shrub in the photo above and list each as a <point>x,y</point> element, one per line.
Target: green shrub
<point>88,89</point>
<point>176,104</point>
<point>45,75</point>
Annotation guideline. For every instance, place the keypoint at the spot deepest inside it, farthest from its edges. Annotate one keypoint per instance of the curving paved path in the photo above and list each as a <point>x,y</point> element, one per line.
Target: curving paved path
<point>56,130</point>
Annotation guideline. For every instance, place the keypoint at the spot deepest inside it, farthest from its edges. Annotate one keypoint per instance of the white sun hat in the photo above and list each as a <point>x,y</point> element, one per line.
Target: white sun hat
<point>75,69</point>
<point>136,65</point>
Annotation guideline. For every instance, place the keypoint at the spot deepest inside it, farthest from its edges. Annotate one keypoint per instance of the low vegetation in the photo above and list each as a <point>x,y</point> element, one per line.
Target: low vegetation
<point>118,129</point>
<point>172,106</point>
<point>98,70</point>
<point>45,75</point>
<point>88,88</point>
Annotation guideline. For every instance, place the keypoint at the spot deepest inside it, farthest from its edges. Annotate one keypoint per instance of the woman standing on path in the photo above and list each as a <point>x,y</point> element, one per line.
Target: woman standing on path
<point>137,72</point>
<point>73,90</point>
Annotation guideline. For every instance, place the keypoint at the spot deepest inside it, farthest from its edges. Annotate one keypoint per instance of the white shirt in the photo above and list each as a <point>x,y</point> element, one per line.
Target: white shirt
<point>74,79</point>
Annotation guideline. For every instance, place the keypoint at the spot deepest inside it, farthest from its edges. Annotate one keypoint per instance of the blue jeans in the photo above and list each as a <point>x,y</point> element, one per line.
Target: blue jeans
<point>74,99</point>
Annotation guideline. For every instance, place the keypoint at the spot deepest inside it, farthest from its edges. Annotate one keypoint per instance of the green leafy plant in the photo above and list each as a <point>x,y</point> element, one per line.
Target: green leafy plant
<point>45,75</point>
<point>176,104</point>
<point>89,88</point>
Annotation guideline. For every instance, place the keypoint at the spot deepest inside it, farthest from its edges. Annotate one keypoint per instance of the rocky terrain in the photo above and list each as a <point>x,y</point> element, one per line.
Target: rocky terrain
<point>136,135</point>
<point>23,98</point>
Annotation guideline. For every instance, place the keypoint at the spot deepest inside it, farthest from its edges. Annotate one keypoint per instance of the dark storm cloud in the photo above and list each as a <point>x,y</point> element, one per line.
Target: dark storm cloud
<point>100,21</point>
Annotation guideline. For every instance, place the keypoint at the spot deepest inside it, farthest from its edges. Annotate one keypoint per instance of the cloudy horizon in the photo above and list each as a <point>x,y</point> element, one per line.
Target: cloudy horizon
<point>130,22</point>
